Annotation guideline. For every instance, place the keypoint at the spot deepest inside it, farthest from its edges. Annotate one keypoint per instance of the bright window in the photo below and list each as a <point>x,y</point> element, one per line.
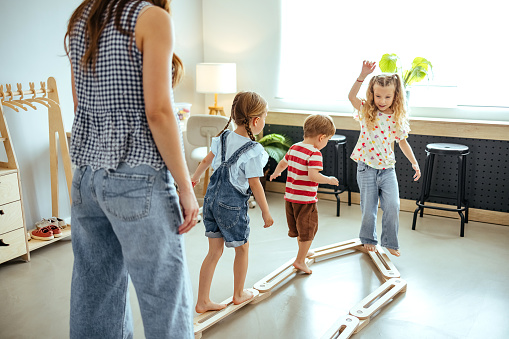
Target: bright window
<point>323,44</point>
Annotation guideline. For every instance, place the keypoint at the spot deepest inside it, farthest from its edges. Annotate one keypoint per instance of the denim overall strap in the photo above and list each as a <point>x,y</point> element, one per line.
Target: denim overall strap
<point>223,144</point>
<point>243,149</point>
<point>235,156</point>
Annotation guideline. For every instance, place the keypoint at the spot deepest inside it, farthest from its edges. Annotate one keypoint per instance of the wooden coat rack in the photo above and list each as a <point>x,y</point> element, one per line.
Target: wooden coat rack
<point>47,97</point>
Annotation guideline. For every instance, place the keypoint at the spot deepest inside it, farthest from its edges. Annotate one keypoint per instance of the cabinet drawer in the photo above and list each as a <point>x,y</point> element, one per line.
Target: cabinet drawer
<point>9,190</point>
<point>17,245</point>
<point>11,217</point>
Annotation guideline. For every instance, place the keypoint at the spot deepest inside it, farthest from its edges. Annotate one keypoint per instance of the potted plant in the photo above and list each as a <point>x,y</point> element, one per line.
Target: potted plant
<point>276,145</point>
<point>420,69</point>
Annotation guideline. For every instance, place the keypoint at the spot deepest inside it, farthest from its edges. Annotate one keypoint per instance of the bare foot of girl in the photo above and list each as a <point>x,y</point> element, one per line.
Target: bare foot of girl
<point>370,247</point>
<point>303,267</point>
<point>245,296</point>
<point>394,252</point>
<point>310,253</point>
<point>208,306</point>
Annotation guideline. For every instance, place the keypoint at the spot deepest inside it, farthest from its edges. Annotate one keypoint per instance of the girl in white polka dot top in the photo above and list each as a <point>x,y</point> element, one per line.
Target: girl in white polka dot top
<point>383,119</point>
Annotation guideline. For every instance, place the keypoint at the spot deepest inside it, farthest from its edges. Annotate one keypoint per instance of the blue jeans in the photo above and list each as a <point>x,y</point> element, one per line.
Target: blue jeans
<point>125,226</point>
<point>375,184</point>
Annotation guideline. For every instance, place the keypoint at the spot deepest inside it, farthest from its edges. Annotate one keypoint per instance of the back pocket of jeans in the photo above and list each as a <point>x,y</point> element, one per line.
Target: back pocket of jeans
<point>227,216</point>
<point>128,196</point>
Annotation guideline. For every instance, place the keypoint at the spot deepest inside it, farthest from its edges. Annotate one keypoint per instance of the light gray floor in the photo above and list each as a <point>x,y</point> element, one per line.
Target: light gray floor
<point>457,287</point>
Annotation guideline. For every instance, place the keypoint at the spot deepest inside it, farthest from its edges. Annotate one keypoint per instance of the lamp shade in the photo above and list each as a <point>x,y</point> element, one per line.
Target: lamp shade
<point>216,78</point>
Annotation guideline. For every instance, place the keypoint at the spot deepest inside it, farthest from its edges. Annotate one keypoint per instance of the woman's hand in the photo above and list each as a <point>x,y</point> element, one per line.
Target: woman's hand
<point>190,209</point>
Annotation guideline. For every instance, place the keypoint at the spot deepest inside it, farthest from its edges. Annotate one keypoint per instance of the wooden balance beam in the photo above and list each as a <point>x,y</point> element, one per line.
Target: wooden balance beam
<point>279,275</point>
<point>209,318</point>
<point>384,264</point>
<point>335,249</point>
<point>379,298</point>
<point>343,328</point>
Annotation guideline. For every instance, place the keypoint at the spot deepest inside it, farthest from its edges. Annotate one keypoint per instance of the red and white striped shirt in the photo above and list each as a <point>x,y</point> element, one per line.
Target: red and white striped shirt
<point>299,188</point>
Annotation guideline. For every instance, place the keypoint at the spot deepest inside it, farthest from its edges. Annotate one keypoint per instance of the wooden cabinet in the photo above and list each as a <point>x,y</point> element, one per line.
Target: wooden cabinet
<point>13,238</point>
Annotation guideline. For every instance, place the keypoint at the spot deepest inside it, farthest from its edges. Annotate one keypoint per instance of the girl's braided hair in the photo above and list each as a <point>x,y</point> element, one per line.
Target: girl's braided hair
<point>245,106</point>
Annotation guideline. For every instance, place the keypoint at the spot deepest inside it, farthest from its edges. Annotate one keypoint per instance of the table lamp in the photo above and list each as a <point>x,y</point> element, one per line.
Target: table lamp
<point>216,78</point>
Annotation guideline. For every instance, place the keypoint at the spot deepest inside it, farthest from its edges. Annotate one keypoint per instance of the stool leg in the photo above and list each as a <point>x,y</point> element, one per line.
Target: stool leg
<point>462,231</point>
<point>461,188</point>
<point>423,190</point>
<point>466,211</point>
<point>464,200</point>
<point>345,175</point>
<point>338,206</point>
<point>336,172</point>
<point>426,185</point>
<point>415,217</point>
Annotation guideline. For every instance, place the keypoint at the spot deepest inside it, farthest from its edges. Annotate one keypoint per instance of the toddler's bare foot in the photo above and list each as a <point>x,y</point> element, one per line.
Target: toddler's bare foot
<point>245,296</point>
<point>303,267</point>
<point>310,253</point>
<point>369,247</point>
<point>208,306</point>
<point>394,252</point>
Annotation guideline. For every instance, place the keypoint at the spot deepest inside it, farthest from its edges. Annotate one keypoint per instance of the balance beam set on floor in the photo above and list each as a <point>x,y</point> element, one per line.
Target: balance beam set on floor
<point>345,326</point>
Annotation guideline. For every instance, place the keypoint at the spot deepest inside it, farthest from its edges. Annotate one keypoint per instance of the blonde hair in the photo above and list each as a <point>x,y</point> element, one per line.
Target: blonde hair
<point>317,124</point>
<point>245,106</point>
<point>101,12</point>
<point>369,110</point>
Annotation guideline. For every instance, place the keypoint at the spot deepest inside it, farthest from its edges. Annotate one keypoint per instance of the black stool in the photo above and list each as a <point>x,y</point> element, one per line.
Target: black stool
<point>461,152</point>
<point>340,140</point>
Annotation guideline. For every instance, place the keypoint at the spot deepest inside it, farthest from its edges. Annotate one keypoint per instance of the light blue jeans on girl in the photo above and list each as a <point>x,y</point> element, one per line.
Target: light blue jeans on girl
<point>125,226</point>
<point>374,185</point>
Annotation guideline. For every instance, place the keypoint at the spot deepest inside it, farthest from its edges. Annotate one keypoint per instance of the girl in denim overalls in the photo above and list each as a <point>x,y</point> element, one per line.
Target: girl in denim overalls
<point>238,163</point>
<point>383,119</point>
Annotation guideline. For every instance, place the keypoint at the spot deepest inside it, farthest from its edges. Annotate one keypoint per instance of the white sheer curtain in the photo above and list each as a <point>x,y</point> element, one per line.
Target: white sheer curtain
<point>323,43</point>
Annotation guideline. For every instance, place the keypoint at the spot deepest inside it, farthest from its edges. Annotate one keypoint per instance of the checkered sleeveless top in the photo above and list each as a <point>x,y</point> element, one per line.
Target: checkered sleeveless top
<point>110,125</point>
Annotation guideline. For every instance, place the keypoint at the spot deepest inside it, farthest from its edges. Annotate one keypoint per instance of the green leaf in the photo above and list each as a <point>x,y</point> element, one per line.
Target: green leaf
<point>275,153</point>
<point>389,63</point>
<point>275,138</point>
<point>423,62</point>
<point>416,74</point>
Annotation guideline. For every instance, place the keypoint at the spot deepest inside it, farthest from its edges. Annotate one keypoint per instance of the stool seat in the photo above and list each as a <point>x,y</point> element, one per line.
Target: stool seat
<point>447,149</point>
<point>338,138</point>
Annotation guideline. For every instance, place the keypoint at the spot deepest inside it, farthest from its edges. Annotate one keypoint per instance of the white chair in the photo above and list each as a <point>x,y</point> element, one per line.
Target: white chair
<point>200,130</point>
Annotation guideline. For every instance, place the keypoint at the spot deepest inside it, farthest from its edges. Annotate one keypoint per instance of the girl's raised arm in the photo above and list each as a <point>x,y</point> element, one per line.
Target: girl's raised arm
<point>367,68</point>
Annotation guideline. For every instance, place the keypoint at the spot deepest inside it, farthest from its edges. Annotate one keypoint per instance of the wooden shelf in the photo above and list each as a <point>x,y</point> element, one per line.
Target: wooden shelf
<point>4,171</point>
<point>34,244</point>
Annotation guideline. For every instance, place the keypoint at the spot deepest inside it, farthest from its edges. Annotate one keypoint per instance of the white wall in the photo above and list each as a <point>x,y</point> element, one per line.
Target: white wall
<point>247,33</point>
<point>31,46</point>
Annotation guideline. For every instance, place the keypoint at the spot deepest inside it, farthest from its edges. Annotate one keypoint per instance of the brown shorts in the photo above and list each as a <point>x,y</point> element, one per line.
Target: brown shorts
<point>302,220</point>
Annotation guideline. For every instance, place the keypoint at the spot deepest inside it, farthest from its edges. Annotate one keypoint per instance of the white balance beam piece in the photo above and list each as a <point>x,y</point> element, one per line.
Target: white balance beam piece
<point>378,298</point>
<point>343,328</point>
<point>336,248</point>
<point>280,274</point>
<point>384,264</point>
<point>209,318</point>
